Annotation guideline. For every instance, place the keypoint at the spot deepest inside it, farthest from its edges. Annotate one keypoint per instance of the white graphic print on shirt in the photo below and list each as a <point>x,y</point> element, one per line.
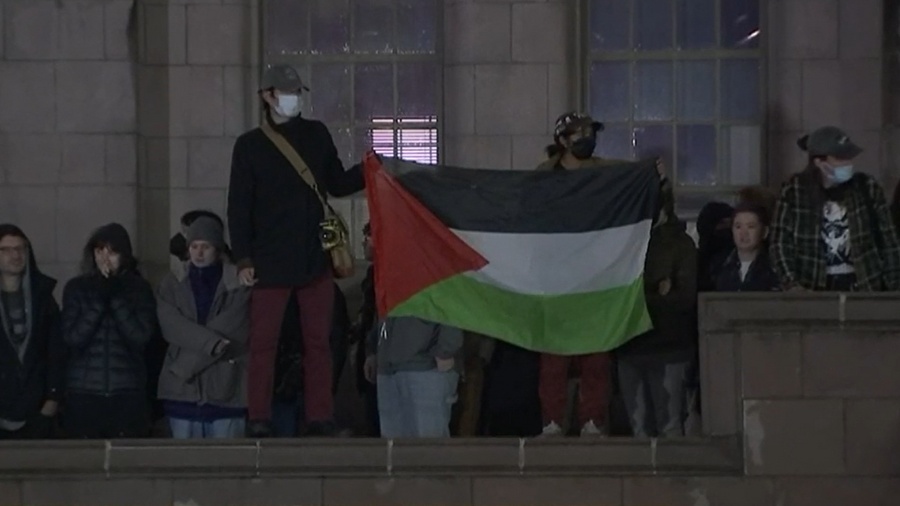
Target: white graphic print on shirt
<point>836,239</point>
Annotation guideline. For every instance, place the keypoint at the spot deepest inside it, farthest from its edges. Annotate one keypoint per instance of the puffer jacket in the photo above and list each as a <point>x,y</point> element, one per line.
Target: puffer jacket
<point>106,324</point>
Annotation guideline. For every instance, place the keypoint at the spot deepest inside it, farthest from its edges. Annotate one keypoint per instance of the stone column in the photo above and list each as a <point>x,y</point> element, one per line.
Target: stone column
<point>196,80</point>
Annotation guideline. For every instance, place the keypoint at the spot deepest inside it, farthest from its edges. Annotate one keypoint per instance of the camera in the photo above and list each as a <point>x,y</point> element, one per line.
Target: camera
<point>332,233</point>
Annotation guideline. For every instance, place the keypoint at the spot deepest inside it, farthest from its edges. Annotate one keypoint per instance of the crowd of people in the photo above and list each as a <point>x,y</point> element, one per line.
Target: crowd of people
<point>250,339</point>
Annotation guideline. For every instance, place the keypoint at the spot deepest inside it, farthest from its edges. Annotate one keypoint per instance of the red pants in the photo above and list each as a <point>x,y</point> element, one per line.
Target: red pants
<point>593,393</point>
<point>267,307</point>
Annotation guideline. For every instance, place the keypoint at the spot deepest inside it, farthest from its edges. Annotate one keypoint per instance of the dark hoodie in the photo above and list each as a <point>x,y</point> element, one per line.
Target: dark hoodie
<point>107,322</point>
<point>670,255</point>
<point>36,374</point>
<point>714,245</point>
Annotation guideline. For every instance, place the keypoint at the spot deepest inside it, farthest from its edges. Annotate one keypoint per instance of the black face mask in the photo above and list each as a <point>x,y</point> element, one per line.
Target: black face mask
<point>583,148</point>
<point>178,247</point>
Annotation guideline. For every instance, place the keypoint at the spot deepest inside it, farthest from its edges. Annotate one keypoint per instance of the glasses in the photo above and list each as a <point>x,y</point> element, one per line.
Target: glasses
<point>9,250</point>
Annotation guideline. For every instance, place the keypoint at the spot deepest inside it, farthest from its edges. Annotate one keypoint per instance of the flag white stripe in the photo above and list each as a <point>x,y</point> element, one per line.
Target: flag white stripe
<point>561,264</point>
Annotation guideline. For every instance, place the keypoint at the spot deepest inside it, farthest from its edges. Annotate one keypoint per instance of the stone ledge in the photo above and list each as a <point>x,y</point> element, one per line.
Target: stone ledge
<point>367,457</point>
<point>723,312</point>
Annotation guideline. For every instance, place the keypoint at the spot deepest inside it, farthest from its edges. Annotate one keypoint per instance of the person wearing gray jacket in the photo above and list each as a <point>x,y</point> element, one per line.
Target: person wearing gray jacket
<point>416,370</point>
<point>204,315</point>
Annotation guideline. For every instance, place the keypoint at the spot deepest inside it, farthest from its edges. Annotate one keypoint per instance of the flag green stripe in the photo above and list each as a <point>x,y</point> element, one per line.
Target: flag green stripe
<point>571,324</point>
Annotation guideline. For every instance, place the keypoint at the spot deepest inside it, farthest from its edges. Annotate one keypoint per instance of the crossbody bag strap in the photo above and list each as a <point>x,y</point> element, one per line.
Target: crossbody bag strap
<point>296,161</point>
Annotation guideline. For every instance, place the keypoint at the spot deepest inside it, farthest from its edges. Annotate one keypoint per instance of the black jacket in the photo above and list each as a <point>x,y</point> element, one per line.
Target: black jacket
<point>26,384</point>
<point>273,216</point>
<point>107,323</point>
<point>760,276</point>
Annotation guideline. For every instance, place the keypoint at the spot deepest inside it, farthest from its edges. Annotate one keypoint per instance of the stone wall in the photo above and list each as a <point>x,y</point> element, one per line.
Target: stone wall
<point>126,109</point>
<point>68,145</point>
<point>825,68</point>
<point>801,404</point>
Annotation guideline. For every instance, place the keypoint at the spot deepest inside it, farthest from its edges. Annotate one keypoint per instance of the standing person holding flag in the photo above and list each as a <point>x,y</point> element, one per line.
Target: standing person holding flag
<point>286,239</point>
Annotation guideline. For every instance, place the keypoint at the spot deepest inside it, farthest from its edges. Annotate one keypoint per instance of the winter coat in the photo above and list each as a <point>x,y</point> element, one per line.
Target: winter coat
<point>192,372</point>
<point>671,254</point>
<point>273,215</point>
<point>761,276</point>
<point>39,375</point>
<point>106,324</point>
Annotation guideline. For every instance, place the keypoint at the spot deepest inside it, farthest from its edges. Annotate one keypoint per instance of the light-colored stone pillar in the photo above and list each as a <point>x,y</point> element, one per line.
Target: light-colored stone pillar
<point>197,73</point>
<point>506,78</point>
<point>825,67</point>
<point>67,123</point>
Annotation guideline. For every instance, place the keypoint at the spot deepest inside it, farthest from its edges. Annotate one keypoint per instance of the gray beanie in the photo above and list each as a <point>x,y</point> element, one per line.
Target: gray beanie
<point>206,229</point>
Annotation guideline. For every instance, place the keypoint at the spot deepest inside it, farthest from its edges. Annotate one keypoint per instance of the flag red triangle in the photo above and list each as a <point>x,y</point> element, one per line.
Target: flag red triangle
<point>413,248</point>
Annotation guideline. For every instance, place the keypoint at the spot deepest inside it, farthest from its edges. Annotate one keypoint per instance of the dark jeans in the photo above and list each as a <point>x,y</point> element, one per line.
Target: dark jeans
<point>101,417</point>
<point>286,418</point>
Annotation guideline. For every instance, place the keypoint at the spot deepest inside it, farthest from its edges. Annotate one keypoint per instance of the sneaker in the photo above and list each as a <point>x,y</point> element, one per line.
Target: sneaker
<point>258,429</point>
<point>552,430</point>
<point>589,429</point>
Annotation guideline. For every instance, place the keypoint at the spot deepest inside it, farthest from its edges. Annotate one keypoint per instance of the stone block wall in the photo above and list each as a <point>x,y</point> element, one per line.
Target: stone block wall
<point>68,138</point>
<point>126,109</point>
<point>507,76</point>
<point>826,68</point>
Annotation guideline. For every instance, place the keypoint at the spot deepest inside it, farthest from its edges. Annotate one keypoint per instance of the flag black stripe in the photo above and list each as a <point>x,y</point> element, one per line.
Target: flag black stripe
<point>533,201</point>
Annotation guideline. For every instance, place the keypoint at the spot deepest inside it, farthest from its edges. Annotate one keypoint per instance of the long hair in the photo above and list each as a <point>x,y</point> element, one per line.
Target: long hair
<point>99,239</point>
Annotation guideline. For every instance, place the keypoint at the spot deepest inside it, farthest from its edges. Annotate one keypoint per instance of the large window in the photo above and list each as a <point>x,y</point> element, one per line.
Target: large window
<point>680,79</point>
<point>372,66</point>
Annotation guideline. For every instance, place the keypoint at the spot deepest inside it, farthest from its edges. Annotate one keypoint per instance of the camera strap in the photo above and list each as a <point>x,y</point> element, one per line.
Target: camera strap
<point>298,163</point>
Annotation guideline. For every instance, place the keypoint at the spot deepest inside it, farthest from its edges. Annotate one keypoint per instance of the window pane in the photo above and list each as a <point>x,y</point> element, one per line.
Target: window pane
<point>740,90</point>
<point>688,205</point>
<point>343,141</point>
<point>418,144</point>
<point>374,91</point>
<point>653,89</point>
<point>610,99</point>
<point>330,93</point>
<point>615,142</point>
<point>610,20</point>
<point>653,141</point>
<point>373,26</point>
<point>287,23</point>
<point>740,23</point>
<point>330,26</point>
<point>696,163</point>
<point>417,26</point>
<point>696,24</point>
<point>696,81</point>
<point>653,24</point>
<point>364,140</point>
<point>417,90</point>
<point>741,152</point>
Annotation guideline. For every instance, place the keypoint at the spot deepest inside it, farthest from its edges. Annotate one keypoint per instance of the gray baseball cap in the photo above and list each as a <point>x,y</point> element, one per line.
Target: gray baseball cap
<point>831,141</point>
<point>282,78</point>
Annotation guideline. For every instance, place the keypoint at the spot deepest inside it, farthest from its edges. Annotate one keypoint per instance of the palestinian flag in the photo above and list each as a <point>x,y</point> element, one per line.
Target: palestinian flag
<point>549,261</point>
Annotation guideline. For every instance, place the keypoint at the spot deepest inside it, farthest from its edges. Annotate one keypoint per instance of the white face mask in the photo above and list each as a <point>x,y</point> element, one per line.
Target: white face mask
<point>289,105</point>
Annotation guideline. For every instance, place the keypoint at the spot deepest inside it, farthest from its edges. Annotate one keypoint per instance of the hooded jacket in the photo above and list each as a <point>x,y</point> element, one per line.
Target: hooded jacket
<point>192,372</point>
<point>107,323</point>
<point>671,255</point>
<point>38,375</point>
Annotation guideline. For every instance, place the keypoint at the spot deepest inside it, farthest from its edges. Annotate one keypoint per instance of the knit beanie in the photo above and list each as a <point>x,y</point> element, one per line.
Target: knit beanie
<point>206,229</point>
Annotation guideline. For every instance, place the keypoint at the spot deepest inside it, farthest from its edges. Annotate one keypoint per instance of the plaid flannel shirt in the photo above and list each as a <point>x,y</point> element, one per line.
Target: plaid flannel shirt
<point>797,251</point>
